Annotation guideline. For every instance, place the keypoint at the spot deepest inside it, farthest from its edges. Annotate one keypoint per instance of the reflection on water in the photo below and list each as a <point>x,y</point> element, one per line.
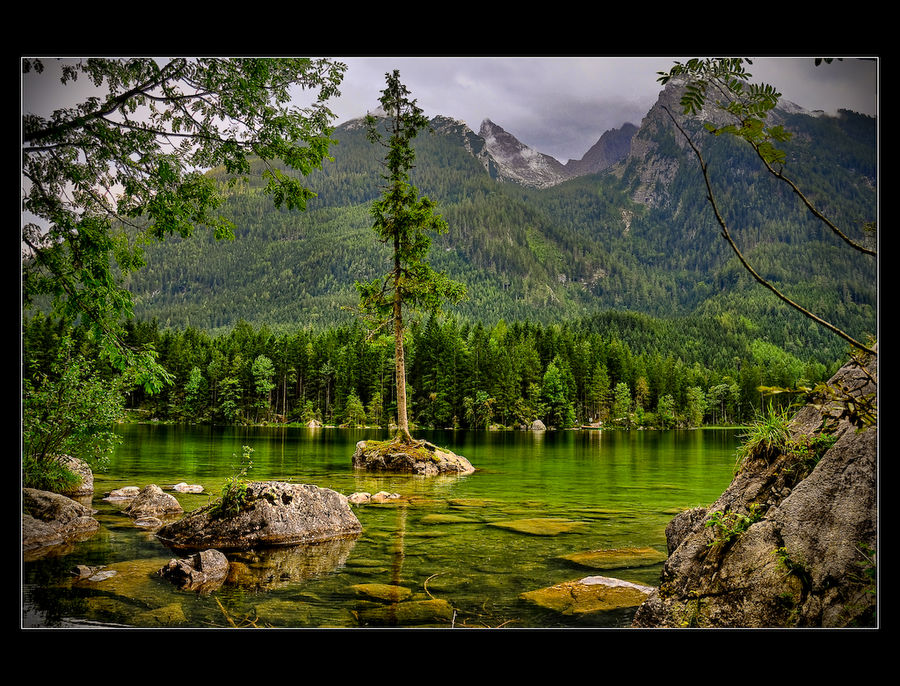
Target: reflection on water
<point>435,558</point>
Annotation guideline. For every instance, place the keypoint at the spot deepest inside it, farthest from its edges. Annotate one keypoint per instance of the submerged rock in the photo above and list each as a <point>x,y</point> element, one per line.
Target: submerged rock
<point>422,458</point>
<point>50,519</point>
<point>434,612</point>
<point>386,592</point>
<point>539,526</point>
<point>616,557</point>
<point>589,595</point>
<point>273,513</point>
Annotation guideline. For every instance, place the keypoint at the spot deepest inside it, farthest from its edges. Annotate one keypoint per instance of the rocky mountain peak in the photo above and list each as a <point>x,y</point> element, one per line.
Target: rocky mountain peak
<point>518,162</point>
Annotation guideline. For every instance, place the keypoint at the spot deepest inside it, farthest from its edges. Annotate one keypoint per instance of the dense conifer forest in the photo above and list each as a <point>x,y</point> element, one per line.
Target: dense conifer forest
<point>623,369</point>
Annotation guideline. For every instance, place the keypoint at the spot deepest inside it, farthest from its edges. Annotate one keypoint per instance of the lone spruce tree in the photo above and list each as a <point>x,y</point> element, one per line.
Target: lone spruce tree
<point>404,221</point>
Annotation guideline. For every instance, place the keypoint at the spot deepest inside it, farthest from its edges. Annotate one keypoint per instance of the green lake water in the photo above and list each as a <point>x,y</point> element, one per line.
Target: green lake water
<point>607,490</point>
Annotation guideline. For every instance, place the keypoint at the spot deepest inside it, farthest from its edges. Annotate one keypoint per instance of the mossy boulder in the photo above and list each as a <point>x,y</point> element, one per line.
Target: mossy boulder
<point>272,513</point>
<point>421,458</point>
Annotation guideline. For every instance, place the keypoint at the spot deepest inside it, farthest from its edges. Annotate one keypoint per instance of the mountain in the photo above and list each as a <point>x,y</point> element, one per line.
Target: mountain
<point>627,227</point>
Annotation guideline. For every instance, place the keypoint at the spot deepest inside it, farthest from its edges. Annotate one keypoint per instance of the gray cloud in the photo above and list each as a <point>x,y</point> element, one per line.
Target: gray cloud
<point>562,105</point>
<point>557,105</point>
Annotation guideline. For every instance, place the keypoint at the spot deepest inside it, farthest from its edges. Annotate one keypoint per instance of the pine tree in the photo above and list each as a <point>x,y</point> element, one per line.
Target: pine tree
<point>403,220</point>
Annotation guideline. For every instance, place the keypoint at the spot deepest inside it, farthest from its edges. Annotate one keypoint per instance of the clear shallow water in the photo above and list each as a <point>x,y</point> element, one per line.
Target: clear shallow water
<point>620,489</point>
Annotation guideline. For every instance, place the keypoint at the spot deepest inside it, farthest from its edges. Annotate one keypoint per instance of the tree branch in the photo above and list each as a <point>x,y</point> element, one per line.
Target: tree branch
<point>726,234</point>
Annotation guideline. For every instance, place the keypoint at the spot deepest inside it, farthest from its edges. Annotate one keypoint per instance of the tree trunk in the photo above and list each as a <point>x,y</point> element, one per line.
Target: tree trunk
<point>400,365</point>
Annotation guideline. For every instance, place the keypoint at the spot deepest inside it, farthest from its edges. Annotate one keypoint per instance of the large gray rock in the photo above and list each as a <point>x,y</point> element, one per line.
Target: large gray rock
<point>274,513</point>
<point>804,553</point>
<point>153,502</point>
<point>51,519</point>
<point>422,458</point>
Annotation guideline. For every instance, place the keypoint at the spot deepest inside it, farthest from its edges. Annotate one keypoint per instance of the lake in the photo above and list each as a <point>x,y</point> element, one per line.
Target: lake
<point>450,541</point>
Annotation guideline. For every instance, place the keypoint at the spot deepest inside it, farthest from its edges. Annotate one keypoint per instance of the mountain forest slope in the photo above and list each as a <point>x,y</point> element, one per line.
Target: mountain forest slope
<point>637,235</point>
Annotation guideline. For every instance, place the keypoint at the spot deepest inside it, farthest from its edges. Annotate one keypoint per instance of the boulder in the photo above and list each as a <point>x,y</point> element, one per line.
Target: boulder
<point>51,519</point>
<point>273,513</point>
<point>791,542</point>
<point>203,571</point>
<point>421,458</point>
<point>435,612</point>
<point>152,502</point>
<point>538,425</point>
<point>83,471</point>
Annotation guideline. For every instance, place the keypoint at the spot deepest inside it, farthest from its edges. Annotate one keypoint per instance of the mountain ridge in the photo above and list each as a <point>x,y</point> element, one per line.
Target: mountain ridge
<point>635,235</point>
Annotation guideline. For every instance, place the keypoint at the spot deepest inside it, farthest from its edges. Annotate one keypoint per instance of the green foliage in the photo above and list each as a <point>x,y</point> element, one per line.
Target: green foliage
<point>48,475</point>
<point>767,438</point>
<point>555,394</point>
<point>748,103</point>
<point>479,410</point>
<point>315,372</point>
<point>69,409</point>
<point>102,177</point>
<point>789,564</point>
<point>731,524</point>
<point>354,412</point>
<point>234,491</point>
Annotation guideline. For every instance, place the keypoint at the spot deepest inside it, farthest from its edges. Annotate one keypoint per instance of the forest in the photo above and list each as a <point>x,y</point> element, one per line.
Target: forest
<point>623,369</point>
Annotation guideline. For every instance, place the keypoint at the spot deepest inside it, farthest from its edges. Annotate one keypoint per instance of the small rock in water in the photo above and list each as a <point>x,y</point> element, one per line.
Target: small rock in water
<point>187,488</point>
<point>204,570</point>
<point>125,493</point>
<point>387,592</point>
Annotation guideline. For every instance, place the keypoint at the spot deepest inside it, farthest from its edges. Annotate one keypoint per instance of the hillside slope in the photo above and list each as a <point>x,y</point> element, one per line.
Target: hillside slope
<point>637,236</point>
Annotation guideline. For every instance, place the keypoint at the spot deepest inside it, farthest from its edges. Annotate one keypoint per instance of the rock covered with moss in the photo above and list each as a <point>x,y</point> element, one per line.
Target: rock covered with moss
<point>421,457</point>
<point>791,542</point>
<point>270,513</point>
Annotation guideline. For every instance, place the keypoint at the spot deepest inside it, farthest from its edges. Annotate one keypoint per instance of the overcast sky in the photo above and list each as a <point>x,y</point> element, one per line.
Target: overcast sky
<point>562,105</point>
<point>559,105</point>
